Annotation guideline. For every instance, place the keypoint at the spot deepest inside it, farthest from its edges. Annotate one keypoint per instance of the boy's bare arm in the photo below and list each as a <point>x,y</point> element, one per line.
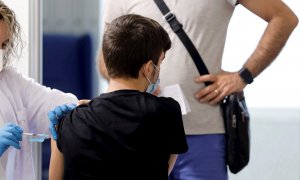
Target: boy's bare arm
<point>56,169</point>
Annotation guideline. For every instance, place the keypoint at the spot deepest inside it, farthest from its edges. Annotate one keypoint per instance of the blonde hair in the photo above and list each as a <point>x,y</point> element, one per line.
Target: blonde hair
<point>15,44</point>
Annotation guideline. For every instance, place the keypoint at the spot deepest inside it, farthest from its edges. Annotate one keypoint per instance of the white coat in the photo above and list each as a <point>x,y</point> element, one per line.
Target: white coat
<point>26,103</point>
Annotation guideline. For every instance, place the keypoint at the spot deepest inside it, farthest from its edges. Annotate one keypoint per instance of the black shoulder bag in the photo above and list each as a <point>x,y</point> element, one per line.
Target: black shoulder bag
<point>235,112</point>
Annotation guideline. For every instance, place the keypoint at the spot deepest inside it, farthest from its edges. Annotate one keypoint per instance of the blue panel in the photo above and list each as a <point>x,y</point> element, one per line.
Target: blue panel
<point>67,66</point>
<point>67,62</point>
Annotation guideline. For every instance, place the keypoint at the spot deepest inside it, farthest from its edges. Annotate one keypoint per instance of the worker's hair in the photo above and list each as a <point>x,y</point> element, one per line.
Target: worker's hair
<point>129,42</point>
<point>15,44</point>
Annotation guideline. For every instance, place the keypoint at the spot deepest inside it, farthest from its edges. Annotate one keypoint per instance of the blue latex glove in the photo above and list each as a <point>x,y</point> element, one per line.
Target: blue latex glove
<point>56,115</point>
<point>10,135</point>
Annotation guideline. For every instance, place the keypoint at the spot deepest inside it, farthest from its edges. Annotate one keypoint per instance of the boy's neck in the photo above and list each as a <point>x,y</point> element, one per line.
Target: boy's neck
<point>122,84</point>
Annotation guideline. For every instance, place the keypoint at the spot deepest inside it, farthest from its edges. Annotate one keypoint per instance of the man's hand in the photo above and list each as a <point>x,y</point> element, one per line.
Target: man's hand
<point>222,85</point>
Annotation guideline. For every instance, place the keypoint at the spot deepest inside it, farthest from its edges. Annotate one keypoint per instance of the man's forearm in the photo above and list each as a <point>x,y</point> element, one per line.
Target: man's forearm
<point>273,40</point>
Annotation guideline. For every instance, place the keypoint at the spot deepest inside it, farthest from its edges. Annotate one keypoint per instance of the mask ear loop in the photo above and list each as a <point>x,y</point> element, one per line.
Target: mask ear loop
<point>146,73</point>
<point>152,72</point>
<point>1,59</point>
<point>156,67</point>
<point>148,80</point>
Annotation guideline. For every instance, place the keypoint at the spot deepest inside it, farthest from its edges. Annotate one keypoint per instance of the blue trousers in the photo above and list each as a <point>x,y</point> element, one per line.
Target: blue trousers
<point>205,159</point>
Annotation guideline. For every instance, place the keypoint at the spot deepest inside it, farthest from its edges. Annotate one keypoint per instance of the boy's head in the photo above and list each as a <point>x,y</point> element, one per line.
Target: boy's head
<point>129,42</point>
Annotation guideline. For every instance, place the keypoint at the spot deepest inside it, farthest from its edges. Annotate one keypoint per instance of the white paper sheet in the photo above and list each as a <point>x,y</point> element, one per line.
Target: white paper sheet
<point>175,92</point>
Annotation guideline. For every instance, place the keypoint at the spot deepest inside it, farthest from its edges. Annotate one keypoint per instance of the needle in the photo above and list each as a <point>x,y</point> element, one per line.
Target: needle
<point>30,134</point>
<point>35,135</point>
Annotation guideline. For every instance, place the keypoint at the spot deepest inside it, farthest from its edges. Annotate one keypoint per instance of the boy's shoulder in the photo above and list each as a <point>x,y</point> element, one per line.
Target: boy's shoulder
<point>131,99</point>
<point>169,104</point>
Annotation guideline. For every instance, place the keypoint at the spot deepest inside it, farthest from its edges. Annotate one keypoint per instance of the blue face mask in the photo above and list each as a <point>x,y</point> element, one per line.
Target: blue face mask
<point>152,87</point>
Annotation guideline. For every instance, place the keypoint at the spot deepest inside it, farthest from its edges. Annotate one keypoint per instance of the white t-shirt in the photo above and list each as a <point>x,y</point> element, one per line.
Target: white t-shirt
<point>25,103</point>
<point>206,23</point>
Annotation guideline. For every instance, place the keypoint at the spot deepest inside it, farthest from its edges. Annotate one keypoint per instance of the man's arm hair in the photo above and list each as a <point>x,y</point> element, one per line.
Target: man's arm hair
<point>281,23</point>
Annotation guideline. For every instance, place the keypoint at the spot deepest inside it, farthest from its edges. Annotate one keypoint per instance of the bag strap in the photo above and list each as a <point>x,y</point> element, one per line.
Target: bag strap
<point>186,41</point>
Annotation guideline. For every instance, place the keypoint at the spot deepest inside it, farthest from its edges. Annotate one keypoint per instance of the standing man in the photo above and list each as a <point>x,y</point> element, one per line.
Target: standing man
<point>206,23</point>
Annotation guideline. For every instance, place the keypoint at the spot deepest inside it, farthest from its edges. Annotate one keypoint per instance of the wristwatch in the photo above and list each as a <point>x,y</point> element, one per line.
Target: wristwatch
<point>246,75</point>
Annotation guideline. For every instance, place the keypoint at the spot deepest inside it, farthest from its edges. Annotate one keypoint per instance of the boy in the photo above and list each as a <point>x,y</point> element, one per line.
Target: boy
<point>126,133</point>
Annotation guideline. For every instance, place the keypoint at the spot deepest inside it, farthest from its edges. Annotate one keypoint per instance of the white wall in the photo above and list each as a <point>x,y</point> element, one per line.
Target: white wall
<point>278,86</point>
<point>74,17</point>
<point>273,99</point>
<point>21,9</point>
<point>275,146</point>
<point>103,84</point>
<point>71,17</point>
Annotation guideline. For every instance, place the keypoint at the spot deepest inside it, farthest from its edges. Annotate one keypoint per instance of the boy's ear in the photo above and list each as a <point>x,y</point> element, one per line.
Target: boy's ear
<point>147,68</point>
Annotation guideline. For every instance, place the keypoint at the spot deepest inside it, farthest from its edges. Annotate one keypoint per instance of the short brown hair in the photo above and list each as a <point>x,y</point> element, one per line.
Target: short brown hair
<point>129,42</point>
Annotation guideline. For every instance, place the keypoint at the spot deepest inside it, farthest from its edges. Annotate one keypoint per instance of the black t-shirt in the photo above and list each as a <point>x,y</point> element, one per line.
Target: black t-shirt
<point>124,134</point>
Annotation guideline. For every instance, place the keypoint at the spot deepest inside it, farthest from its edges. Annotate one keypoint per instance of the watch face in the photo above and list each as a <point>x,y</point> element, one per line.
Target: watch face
<point>246,75</point>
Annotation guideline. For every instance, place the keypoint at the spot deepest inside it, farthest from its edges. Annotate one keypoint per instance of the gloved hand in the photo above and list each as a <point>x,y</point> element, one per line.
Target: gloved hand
<point>10,135</point>
<point>56,115</point>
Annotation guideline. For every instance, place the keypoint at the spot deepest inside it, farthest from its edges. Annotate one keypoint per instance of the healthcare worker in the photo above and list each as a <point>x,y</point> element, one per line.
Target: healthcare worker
<point>24,105</point>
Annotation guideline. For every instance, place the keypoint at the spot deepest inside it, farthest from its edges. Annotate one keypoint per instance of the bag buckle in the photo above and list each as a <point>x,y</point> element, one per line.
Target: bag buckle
<point>169,16</point>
